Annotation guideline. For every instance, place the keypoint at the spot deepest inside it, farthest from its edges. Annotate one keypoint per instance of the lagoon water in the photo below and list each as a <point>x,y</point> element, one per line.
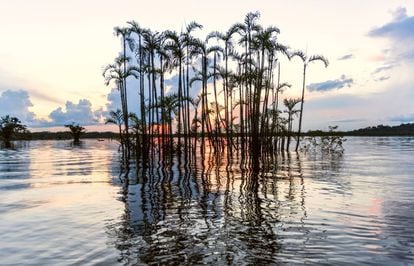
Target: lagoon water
<point>66,205</point>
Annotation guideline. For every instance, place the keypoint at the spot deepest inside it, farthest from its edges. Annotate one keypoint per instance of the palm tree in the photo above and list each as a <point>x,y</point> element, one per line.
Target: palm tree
<point>175,45</point>
<point>306,60</point>
<point>116,118</point>
<point>118,73</point>
<point>228,46</point>
<point>171,105</point>
<point>124,32</point>
<point>76,131</point>
<point>9,127</point>
<point>290,104</point>
<point>247,30</point>
<point>275,111</point>
<point>139,31</point>
<point>189,46</point>
<point>152,42</point>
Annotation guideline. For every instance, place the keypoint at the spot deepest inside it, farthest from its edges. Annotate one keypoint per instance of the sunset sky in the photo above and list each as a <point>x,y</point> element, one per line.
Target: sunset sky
<point>52,53</point>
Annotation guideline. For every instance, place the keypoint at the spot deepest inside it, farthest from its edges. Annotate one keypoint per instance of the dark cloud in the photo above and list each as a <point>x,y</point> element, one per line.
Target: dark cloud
<point>384,68</point>
<point>328,85</point>
<point>407,118</point>
<point>382,78</point>
<point>346,57</point>
<point>80,113</point>
<point>349,120</point>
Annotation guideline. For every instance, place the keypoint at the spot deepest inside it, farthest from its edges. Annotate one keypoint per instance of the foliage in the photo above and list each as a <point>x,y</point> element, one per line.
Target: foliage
<point>327,144</point>
<point>381,130</point>
<point>9,127</point>
<point>224,85</point>
<point>76,131</point>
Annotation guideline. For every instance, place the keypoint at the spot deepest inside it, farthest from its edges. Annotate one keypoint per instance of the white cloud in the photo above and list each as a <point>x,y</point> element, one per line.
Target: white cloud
<point>17,103</point>
<point>79,113</point>
<point>400,32</point>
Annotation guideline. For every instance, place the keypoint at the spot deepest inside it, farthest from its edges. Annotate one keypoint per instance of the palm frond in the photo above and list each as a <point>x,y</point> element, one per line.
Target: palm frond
<point>319,58</point>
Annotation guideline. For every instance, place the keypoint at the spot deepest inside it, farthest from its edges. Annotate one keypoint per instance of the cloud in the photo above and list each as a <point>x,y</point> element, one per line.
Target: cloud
<point>384,78</point>
<point>400,28</point>
<point>80,113</point>
<point>402,118</point>
<point>346,57</point>
<point>400,32</point>
<point>16,103</point>
<point>331,84</point>
<point>349,120</point>
<point>384,68</point>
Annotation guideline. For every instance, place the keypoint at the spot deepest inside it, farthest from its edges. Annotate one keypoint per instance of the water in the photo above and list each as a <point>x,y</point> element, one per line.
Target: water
<point>65,205</point>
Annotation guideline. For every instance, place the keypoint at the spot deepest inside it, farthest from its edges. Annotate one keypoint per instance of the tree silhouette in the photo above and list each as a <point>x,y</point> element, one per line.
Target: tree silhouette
<point>290,105</point>
<point>9,127</point>
<point>306,60</point>
<point>76,131</point>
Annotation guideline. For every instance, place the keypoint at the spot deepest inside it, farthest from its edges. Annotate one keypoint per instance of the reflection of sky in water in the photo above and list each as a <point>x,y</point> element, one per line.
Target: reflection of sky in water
<point>67,204</point>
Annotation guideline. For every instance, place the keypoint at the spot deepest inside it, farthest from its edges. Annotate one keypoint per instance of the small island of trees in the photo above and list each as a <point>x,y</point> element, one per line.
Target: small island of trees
<point>226,93</point>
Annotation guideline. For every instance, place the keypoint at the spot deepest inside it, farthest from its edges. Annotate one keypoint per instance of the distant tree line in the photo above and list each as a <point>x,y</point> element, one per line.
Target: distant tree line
<point>380,130</point>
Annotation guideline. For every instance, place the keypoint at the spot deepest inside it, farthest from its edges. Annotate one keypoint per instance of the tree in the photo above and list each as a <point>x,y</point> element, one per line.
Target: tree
<point>118,73</point>
<point>139,51</point>
<point>290,104</point>
<point>9,127</point>
<point>306,60</point>
<point>76,131</point>
<point>116,118</point>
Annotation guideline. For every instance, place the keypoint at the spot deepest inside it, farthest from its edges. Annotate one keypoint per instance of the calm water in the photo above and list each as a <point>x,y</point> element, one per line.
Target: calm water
<point>62,205</point>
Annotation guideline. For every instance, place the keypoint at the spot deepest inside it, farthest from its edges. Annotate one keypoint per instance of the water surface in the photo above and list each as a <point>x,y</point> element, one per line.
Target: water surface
<point>64,204</point>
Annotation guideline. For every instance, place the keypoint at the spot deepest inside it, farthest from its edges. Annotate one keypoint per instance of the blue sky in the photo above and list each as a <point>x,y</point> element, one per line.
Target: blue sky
<point>52,54</point>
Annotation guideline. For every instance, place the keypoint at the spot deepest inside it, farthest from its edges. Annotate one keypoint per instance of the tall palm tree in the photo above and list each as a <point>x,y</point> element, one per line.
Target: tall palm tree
<point>226,38</point>
<point>152,42</point>
<point>139,51</point>
<point>124,33</point>
<point>175,45</point>
<point>118,73</point>
<point>188,43</point>
<point>306,60</point>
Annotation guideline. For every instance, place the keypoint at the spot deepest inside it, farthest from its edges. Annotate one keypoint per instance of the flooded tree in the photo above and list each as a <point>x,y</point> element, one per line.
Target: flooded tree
<point>76,131</point>
<point>9,127</point>
<point>306,60</point>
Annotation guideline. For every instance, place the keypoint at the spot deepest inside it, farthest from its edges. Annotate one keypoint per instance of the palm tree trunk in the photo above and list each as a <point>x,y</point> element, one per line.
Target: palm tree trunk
<point>301,107</point>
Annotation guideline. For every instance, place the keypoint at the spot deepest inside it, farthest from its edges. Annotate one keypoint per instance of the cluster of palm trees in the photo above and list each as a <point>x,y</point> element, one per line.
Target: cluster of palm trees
<point>226,92</point>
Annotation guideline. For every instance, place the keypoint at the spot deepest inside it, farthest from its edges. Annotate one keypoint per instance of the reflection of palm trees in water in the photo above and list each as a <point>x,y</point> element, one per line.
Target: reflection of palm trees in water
<point>216,209</point>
